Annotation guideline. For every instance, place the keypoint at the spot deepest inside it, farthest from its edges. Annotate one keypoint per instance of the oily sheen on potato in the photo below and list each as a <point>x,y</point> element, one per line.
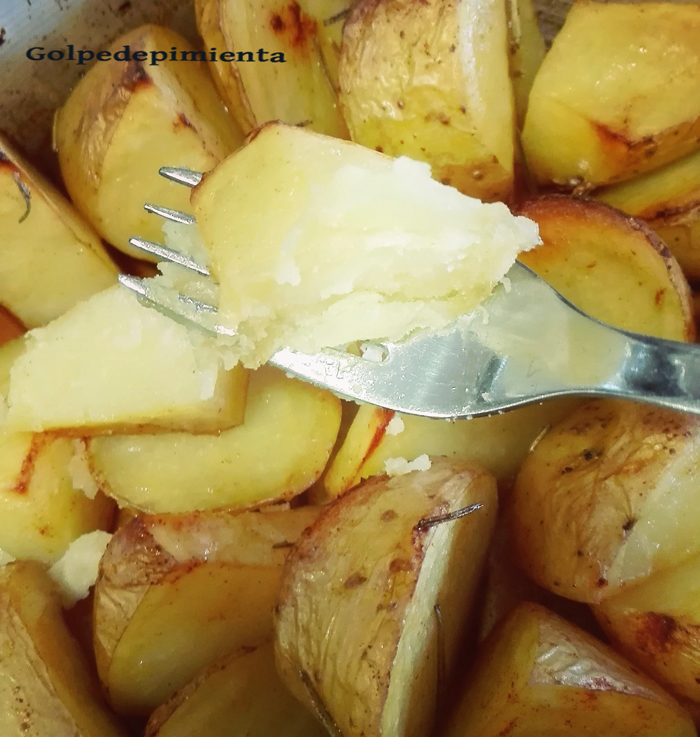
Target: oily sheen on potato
<point>242,690</point>
<point>607,497</point>
<point>176,592</point>
<point>112,364</point>
<point>618,94</point>
<point>343,244</point>
<point>375,598</point>
<point>51,258</point>
<point>537,674</point>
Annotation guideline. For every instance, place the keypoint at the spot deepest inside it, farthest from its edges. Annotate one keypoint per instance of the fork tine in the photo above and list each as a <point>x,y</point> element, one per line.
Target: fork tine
<point>167,254</point>
<point>145,293</point>
<point>181,176</point>
<point>165,212</point>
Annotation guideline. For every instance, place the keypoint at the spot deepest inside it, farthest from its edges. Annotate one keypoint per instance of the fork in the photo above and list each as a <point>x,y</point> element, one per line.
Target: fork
<point>525,344</point>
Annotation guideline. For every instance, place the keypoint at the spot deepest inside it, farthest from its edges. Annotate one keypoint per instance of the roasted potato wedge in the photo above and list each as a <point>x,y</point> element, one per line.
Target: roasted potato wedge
<point>239,696</point>
<point>611,266</point>
<point>668,199</point>
<point>175,593</point>
<point>498,443</point>
<point>126,119</point>
<point>539,675</point>
<point>617,95</point>
<point>46,686</point>
<point>111,364</point>
<point>279,451</point>
<point>375,597</point>
<point>596,504</point>
<point>450,103</point>
<point>51,258</point>
<point>656,624</point>
<point>293,79</point>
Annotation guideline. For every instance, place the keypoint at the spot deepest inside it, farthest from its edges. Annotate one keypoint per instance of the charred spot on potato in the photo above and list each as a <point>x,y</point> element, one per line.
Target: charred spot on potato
<point>389,515</point>
<point>39,441</point>
<point>629,524</point>
<point>135,76</point>
<point>656,632</point>
<point>400,565</point>
<point>379,148</point>
<point>352,582</point>
<point>183,120</point>
<point>602,582</point>
<point>297,28</point>
<point>658,297</point>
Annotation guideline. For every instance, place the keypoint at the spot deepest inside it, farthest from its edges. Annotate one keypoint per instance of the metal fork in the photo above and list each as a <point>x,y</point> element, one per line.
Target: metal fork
<point>526,343</point>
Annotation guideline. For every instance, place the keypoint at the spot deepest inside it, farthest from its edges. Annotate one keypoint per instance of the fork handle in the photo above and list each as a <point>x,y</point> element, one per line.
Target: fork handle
<point>661,372</point>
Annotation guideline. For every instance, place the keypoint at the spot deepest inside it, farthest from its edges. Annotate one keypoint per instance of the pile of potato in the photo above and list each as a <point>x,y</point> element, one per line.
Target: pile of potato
<point>263,575</point>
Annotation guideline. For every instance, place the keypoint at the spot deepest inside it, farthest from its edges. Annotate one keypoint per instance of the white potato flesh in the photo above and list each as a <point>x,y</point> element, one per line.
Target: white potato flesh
<point>319,242</point>
<point>111,363</point>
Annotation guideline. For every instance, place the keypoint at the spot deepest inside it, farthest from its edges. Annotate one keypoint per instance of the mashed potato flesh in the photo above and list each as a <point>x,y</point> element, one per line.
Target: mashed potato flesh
<point>319,242</point>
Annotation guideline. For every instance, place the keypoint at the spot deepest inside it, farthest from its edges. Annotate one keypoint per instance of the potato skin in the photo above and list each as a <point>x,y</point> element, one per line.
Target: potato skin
<point>610,265</point>
<point>583,489</point>
<point>348,587</point>
<point>405,92</point>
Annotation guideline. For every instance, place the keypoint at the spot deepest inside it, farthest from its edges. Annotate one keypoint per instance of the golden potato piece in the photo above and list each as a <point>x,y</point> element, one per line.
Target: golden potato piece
<point>239,695</point>
<point>175,593</point>
<point>126,119</point>
<point>51,258</point>
<point>112,364</point>
<point>46,686</point>
<point>596,503</point>
<point>611,266</point>
<point>618,94</point>
<point>332,266</point>
<point>279,451</point>
<point>539,675</point>
<point>656,624</point>
<point>431,81</point>
<point>668,199</point>
<point>498,443</point>
<point>375,597</point>
<point>289,78</point>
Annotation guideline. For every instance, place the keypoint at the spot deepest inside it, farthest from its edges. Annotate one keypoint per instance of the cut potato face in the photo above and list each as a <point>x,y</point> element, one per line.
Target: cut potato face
<point>539,675</point>
<point>291,80</point>
<point>51,258</point>
<point>46,686</point>
<point>279,451</point>
<point>332,266</point>
<point>112,364</point>
<point>656,624</point>
<point>125,120</point>
<point>371,590</point>
<point>498,443</point>
<point>175,593</point>
<point>239,695</point>
<point>596,504</point>
<point>668,199</point>
<point>450,104</point>
<point>611,266</point>
<point>617,95</point>
<point>41,512</point>
<point>526,50</point>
